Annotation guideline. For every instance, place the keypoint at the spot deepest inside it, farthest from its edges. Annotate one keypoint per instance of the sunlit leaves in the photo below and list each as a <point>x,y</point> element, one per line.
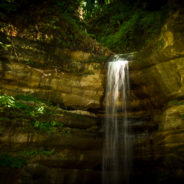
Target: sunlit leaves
<point>7,101</point>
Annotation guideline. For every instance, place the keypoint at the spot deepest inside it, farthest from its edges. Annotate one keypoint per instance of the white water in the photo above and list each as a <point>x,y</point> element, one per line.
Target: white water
<point>117,144</point>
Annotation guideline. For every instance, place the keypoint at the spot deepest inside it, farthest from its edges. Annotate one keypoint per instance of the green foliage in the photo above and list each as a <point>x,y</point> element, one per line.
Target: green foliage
<point>23,106</point>
<point>182,116</point>
<point>38,151</point>
<point>66,131</point>
<point>93,7</point>
<point>36,114</point>
<point>48,127</point>
<point>173,102</point>
<point>11,161</point>
<point>140,29</point>
<point>7,101</point>
<point>35,111</point>
<point>11,102</point>
<point>176,102</point>
<point>32,98</point>
<point>27,98</point>
<point>127,26</point>
<point>7,160</point>
<point>123,35</point>
<point>39,109</point>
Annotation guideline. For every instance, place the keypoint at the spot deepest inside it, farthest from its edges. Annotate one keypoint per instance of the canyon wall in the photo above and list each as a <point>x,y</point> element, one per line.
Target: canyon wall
<point>75,80</point>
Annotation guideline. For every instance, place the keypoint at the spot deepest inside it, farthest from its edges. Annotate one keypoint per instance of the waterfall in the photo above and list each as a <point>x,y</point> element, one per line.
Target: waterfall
<point>117,143</point>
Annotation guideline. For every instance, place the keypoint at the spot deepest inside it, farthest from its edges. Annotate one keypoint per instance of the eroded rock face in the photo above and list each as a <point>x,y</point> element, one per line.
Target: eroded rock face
<point>69,153</point>
<point>71,78</point>
<point>157,88</point>
<point>157,73</point>
<point>43,62</point>
<point>173,117</point>
<point>81,91</point>
<point>74,79</point>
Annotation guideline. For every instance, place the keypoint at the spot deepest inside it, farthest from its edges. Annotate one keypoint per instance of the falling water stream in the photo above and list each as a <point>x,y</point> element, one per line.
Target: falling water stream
<point>117,143</point>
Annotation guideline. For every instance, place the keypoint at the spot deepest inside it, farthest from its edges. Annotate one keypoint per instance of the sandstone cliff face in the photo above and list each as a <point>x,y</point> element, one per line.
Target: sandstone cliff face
<point>35,60</point>
<point>51,57</point>
<point>157,87</point>
<point>74,79</point>
<point>157,74</point>
<point>79,91</point>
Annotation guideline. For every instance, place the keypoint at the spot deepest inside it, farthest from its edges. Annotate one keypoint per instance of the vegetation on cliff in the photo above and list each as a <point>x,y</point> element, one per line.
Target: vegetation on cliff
<point>122,26</point>
<point>53,23</point>
<point>126,26</point>
<point>36,115</point>
<point>29,115</point>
